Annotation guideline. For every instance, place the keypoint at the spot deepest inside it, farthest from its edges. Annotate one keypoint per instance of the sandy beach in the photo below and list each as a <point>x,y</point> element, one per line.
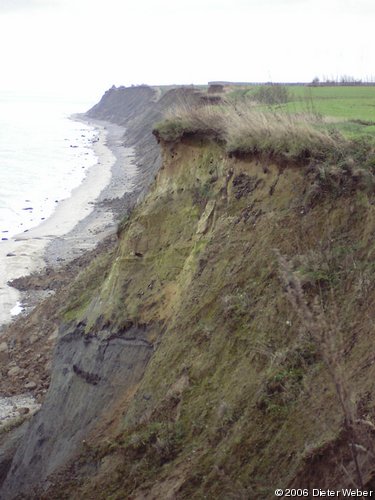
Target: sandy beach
<point>78,222</point>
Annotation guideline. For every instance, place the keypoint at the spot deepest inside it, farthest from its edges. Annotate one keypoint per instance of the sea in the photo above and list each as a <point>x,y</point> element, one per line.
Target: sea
<point>44,155</point>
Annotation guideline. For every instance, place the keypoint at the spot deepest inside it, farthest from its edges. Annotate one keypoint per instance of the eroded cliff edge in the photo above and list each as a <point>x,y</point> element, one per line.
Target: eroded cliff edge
<point>187,371</point>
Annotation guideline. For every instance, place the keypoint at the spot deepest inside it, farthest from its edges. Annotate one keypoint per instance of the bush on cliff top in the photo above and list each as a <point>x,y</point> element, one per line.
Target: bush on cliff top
<point>185,121</point>
<point>271,94</point>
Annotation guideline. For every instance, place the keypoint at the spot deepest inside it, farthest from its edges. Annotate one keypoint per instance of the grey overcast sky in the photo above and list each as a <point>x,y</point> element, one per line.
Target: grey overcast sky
<point>82,47</point>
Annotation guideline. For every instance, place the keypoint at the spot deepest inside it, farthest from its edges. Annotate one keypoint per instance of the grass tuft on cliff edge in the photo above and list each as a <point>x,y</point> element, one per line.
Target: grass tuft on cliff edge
<point>246,131</point>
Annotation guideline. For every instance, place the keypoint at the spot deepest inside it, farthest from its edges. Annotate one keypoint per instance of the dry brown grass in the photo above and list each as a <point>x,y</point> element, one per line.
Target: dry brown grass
<point>245,131</point>
<point>292,137</point>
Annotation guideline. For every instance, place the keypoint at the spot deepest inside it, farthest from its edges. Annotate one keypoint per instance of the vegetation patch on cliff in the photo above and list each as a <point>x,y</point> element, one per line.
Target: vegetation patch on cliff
<point>228,404</point>
<point>253,285</point>
<point>244,130</point>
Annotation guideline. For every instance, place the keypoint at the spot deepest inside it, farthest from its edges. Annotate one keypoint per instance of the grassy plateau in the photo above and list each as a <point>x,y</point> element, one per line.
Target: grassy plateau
<point>351,109</point>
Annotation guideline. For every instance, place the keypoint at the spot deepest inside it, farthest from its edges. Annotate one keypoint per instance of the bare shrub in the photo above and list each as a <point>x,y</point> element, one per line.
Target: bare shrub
<point>322,326</point>
<point>271,94</point>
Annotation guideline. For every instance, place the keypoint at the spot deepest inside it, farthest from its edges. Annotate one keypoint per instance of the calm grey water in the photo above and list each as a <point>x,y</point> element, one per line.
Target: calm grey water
<point>43,156</point>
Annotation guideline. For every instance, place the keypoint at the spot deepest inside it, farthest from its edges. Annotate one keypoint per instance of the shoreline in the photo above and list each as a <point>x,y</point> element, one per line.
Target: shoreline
<point>78,223</point>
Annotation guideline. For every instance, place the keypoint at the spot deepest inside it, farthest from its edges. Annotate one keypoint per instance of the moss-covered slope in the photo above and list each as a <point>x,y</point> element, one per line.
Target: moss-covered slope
<point>244,391</point>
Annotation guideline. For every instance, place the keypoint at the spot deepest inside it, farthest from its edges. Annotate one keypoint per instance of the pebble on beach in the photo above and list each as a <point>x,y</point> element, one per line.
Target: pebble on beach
<point>13,407</point>
<point>30,385</point>
<point>3,347</point>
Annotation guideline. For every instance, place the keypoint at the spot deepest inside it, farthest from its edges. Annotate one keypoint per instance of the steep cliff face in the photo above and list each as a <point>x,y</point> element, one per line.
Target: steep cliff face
<point>89,376</point>
<point>120,105</point>
<point>227,349</point>
<point>138,109</point>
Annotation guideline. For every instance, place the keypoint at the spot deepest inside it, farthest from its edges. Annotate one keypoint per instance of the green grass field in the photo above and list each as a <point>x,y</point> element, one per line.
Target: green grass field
<point>349,109</point>
<point>353,107</point>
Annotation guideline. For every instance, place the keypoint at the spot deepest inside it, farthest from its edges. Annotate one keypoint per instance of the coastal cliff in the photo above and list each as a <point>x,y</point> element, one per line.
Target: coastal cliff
<point>222,346</point>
